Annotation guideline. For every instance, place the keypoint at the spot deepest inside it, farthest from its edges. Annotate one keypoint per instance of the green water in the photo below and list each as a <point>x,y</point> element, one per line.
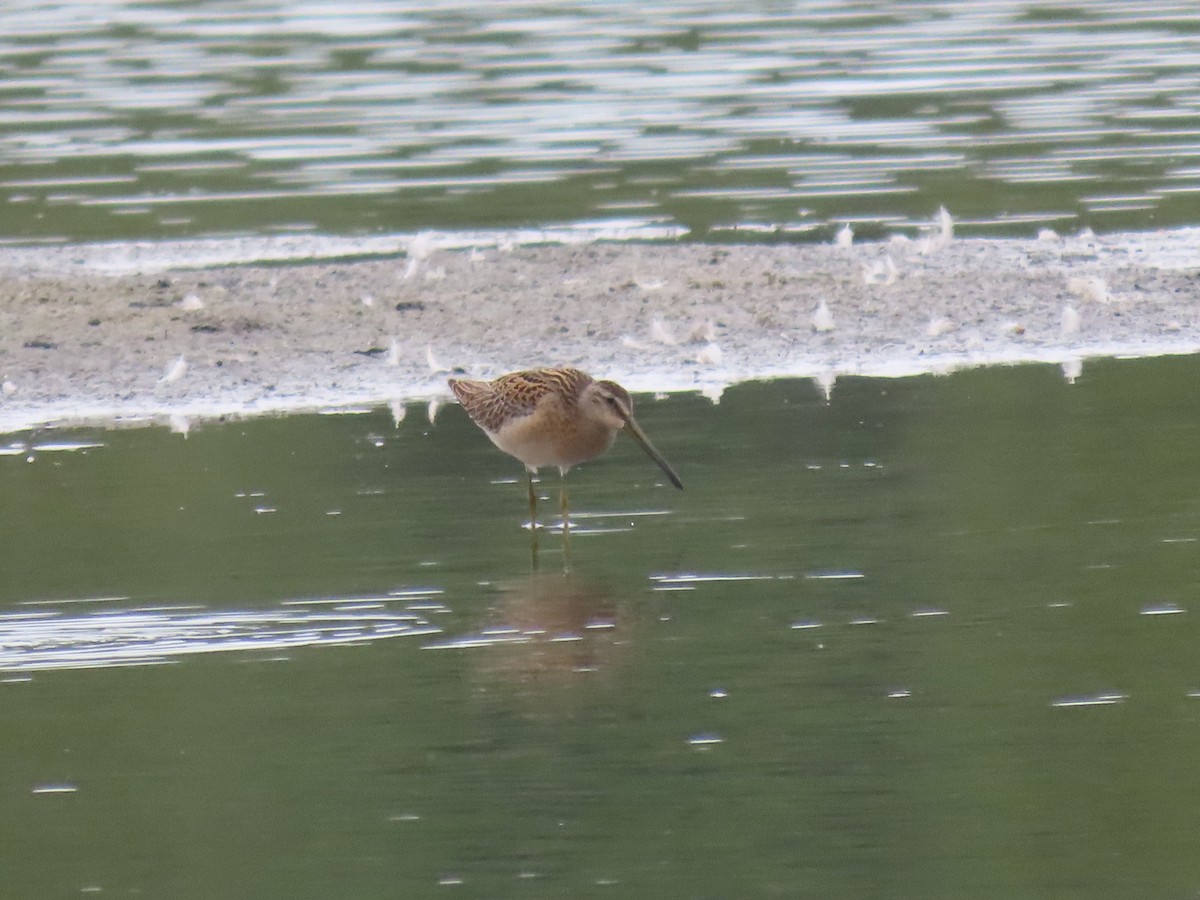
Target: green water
<point>934,639</point>
<point>148,119</point>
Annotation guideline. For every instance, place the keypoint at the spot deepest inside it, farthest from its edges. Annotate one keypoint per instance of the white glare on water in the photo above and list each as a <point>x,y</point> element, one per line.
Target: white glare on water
<point>163,634</point>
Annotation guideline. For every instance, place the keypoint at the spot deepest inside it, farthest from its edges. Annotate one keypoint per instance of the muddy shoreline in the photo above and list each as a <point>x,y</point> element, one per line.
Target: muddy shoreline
<point>86,341</point>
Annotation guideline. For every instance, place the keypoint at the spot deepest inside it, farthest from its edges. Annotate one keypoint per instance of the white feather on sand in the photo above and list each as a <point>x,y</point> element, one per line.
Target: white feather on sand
<point>419,248</point>
<point>1071,320</point>
<point>881,271</point>
<point>175,370</point>
<point>938,326</point>
<point>1090,287</point>
<point>660,333</point>
<point>939,233</point>
<point>822,318</point>
<point>432,361</point>
<point>709,355</point>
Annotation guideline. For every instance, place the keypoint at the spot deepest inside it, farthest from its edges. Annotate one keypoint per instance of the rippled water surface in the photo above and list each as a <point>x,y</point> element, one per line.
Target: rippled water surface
<point>160,119</point>
<point>935,638</point>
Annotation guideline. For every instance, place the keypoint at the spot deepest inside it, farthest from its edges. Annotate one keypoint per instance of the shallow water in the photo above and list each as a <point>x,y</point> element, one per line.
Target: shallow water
<point>934,638</point>
<point>137,120</point>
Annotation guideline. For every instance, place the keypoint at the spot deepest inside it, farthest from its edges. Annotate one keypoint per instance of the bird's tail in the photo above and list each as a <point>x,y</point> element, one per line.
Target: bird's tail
<point>469,392</point>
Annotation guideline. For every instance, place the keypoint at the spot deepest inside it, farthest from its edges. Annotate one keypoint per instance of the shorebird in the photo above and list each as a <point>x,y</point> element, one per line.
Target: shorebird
<point>553,417</point>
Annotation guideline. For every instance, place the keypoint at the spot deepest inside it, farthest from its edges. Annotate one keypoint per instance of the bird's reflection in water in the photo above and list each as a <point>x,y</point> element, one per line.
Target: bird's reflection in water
<point>547,638</point>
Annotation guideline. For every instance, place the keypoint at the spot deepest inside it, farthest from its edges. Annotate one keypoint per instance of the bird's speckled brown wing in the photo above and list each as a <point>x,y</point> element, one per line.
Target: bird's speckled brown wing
<point>492,403</point>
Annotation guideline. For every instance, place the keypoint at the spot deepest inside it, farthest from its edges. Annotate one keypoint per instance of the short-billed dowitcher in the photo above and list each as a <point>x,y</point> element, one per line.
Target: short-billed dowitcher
<point>553,417</point>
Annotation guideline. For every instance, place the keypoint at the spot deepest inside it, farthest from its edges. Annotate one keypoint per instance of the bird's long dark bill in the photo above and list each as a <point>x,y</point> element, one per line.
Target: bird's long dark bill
<point>640,436</point>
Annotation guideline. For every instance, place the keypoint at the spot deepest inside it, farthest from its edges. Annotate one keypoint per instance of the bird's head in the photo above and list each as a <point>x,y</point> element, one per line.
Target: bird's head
<point>611,404</point>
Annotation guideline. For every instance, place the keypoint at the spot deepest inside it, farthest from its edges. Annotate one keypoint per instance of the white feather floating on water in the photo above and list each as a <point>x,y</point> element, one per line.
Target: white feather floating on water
<point>822,319</point>
<point>845,237</point>
<point>825,382</point>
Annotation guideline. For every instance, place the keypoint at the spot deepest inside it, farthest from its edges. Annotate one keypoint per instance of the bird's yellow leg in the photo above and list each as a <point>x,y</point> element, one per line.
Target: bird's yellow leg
<point>533,525</point>
<point>566,525</point>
